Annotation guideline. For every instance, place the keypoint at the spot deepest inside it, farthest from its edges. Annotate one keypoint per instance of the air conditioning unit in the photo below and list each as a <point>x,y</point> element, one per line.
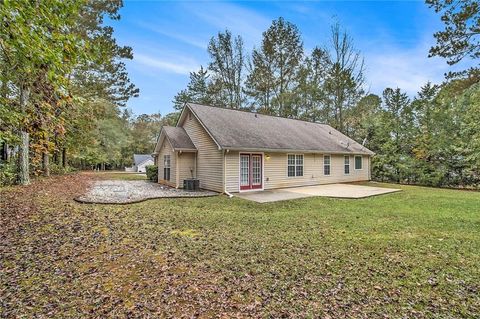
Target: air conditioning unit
<point>191,184</point>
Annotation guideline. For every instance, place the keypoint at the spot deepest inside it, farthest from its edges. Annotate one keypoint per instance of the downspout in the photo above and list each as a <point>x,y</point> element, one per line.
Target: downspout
<point>225,175</point>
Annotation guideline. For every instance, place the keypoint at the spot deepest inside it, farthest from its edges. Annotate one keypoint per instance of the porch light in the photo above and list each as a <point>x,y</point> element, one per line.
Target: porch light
<point>267,156</point>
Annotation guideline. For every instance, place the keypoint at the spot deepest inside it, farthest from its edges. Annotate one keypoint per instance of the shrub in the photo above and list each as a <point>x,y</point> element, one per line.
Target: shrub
<point>8,174</point>
<point>57,169</point>
<point>152,172</point>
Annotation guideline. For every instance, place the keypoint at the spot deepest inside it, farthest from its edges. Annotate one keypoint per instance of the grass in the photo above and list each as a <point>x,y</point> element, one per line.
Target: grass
<point>123,175</point>
<point>408,254</point>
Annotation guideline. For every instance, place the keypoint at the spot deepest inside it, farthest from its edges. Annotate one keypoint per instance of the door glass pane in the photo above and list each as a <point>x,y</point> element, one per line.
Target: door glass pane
<point>244,170</point>
<point>256,170</point>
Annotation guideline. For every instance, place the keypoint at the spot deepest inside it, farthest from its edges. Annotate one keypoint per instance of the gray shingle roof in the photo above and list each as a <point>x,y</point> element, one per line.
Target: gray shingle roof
<point>140,158</point>
<point>179,138</point>
<point>234,129</point>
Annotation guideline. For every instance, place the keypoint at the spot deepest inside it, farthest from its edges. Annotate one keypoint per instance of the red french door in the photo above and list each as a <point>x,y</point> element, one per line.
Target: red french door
<point>251,171</point>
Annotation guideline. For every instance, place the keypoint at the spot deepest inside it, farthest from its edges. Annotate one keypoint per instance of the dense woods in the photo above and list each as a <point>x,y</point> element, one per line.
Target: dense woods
<point>64,88</point>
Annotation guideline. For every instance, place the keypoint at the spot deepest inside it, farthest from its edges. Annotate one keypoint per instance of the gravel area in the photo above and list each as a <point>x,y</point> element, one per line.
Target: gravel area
<point>123,192</point>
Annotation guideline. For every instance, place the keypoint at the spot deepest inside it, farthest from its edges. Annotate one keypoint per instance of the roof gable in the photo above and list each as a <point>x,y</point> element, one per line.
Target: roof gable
<point>177,137</point>
<point>235,129</point>
<point>141,158</point>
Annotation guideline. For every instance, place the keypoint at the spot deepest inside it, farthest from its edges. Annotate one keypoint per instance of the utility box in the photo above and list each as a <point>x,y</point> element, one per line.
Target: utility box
<point>191,184</point>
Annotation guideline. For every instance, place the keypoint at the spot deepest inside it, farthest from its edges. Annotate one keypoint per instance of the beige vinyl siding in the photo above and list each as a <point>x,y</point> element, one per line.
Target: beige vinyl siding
<point>185,163</point>
<point>209,157</point>
<point>166,149</point>
<point>276,171</point>
<point>232,169</point>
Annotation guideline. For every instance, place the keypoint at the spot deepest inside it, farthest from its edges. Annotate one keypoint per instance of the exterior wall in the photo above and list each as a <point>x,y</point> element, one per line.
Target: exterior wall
<point>232,169</point>
<point>166,149</point>
<point>142,168</point>
<point>185,165</point>
<point>209,158</point>
<point>275,171</point>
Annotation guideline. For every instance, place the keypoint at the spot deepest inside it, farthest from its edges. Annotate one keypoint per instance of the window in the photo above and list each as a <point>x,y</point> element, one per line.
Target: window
<point>358,162</point>
<point>295,165</point>
<point>347,164</point>
<point>326,165</point>
<point>166,167</point>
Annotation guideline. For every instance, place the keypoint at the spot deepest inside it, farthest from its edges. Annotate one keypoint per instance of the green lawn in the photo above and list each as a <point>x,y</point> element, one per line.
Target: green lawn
<point>410,254</point>
<point>123,175</point>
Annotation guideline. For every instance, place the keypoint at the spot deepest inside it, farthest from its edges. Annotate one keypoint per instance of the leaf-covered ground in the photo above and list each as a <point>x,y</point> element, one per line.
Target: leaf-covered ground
<point>413,254</point>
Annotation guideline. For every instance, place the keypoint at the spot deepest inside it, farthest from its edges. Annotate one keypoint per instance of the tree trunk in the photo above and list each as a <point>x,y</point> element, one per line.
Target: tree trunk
<point>64,157</point>
<point>46,164</point>
<point>23,160</point>
<point>4,152</point>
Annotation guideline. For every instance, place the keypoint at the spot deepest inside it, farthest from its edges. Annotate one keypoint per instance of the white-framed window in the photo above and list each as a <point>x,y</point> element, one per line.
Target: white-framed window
<point>166,167</point>
<point>294,165</point>
<point>326,164</point>
<point>346,164</point>
<point>358,162</point>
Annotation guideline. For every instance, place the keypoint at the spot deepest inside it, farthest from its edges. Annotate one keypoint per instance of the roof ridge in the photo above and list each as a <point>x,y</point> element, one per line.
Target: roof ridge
<point>252,112</point>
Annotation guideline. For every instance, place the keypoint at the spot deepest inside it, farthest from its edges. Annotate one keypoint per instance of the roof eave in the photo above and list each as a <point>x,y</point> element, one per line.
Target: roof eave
<point>284,150</point>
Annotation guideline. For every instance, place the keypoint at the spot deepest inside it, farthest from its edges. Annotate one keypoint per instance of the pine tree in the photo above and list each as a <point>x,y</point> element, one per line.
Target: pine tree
<point>461,37</point>
<point>227,67</point>
<point>198,90</point>
<point>275,69</point>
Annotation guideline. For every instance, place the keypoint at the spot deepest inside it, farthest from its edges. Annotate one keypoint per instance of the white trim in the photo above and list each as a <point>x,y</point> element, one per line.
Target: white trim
<point>329,165</point>
<point>263,172</point>
<point>349,165</point>
<point>295,165</point>
<point>355,164</point>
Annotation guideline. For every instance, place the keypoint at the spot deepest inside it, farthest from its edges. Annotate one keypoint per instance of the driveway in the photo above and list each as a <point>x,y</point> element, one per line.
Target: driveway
<point>330,190</point>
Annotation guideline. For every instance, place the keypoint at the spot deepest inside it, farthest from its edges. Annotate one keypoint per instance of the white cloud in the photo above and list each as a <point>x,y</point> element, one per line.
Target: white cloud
<point>174,64</point>
<point>202,44</point>
<point>408,69</point>
<point>247,23</point>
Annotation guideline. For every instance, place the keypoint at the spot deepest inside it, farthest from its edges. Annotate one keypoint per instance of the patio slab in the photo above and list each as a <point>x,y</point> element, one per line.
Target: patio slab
<point>329,190</point>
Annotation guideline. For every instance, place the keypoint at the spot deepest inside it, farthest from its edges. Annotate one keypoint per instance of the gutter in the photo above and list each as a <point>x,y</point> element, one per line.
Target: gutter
<point>225,175</point>
<point>278,150</point>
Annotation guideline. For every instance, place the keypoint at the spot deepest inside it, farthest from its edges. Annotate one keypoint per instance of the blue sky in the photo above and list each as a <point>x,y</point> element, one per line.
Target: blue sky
<point>169,39</point>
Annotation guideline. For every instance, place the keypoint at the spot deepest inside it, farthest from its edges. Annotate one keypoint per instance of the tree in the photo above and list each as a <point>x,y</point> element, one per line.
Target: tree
<point>49,52</point>
<point>311,95</point>
<point>461,36</point>
<point>227,66</point>
<point>57,58</point>
<point>393,137</point>
<point>275,69</point>
<point>345,78</point>
<point>360,122</point>
<point>198,90</point>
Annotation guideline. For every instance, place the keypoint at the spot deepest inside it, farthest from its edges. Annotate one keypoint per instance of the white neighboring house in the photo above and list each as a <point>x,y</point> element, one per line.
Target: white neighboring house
<point>140,162</point>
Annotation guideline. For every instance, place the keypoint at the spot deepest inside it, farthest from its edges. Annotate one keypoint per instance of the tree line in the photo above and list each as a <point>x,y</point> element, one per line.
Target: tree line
<point>63,90</point>
<point>432,138</point>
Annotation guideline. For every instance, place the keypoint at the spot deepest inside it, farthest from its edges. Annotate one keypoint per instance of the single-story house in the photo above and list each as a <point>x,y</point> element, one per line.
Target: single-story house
<point>140,162</point>
<point>232,151</point>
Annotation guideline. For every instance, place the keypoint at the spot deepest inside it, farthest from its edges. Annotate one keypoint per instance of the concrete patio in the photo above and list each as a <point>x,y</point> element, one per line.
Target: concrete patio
<point>329,190</point>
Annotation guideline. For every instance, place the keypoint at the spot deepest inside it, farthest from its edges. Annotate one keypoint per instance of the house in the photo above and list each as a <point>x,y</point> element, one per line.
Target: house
<point>232,151</point>
<point>140,162</point>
